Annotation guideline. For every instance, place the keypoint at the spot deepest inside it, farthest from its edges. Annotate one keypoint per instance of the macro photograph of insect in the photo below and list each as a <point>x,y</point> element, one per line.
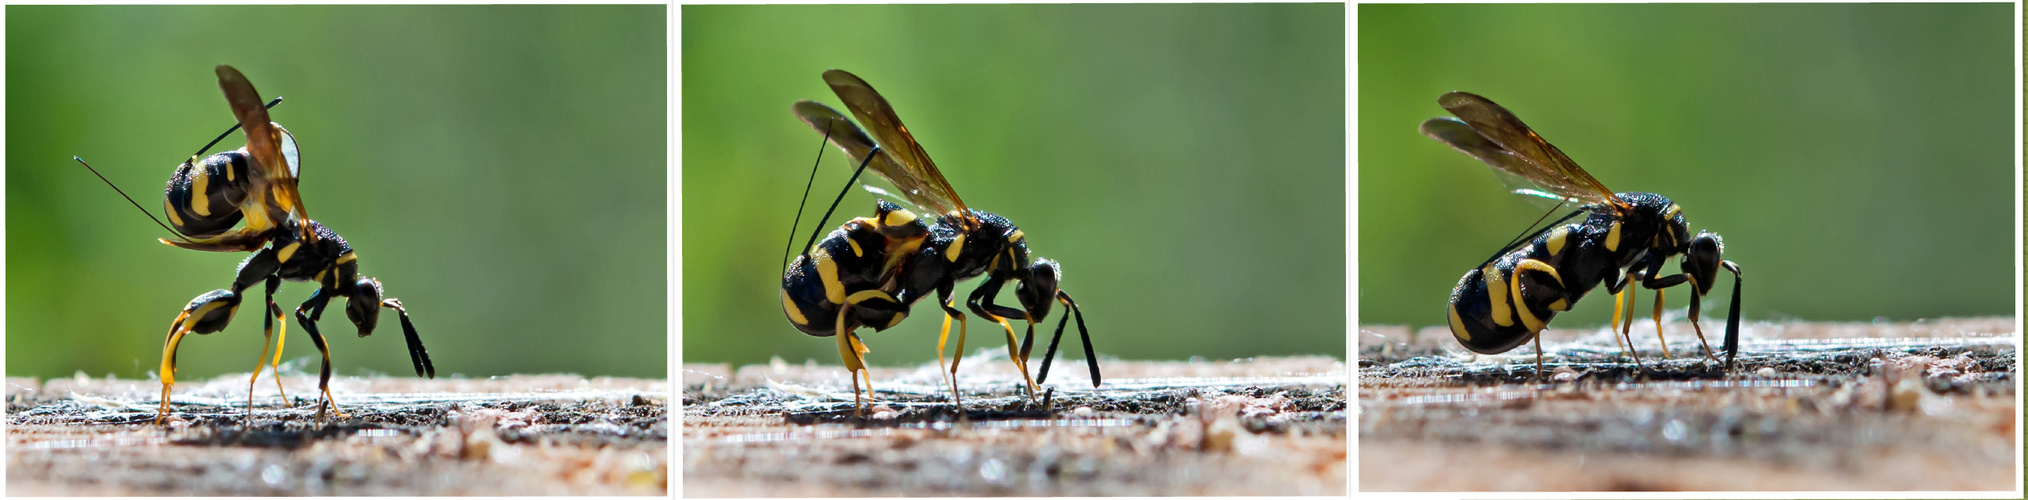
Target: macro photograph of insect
<point>1687,248</point>
<point>1013,250</point>
<point>436,233</point>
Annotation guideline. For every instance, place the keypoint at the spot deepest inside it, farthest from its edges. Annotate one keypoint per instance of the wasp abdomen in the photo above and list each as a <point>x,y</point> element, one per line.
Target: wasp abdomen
<point>203,198</point>
<point>853,265</point>
<point>1508,301</point>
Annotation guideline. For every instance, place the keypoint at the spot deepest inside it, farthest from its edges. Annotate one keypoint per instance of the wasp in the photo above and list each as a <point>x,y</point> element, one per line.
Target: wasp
<point>869,271</point>
<point>1512,296</point>
<point>257,184</point>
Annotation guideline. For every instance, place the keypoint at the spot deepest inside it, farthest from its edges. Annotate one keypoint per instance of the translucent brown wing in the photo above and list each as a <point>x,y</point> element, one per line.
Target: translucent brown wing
<point>265,142</point>
<point>1495,136</point>
<point>847,137</point>
<point>911,170</point>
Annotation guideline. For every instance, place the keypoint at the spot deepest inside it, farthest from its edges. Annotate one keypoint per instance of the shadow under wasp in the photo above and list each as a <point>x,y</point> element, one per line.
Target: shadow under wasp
<point>256,184</point>
<point>869,271</point>
<point>1510,298</point>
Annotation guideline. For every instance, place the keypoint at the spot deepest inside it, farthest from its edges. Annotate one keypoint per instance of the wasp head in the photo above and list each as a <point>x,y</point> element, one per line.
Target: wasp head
<point>363,307</point>
<point>1037,289</point>
<point>1701,260</point>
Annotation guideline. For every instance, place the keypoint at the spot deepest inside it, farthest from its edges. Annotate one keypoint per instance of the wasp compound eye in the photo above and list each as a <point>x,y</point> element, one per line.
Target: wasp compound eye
<point>363,308</point>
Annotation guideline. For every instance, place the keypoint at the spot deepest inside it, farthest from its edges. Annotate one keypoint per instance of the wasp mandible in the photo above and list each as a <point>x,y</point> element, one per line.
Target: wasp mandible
<point>1510,298</point>
<point>256,184</point>
<point>869,271</point>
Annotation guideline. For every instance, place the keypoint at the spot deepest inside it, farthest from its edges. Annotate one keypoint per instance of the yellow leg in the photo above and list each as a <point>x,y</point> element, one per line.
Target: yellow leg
<point>1658,324</point>
<point>959,355</point>
<point>259,364</point>
<point>850,351</point>
<point>333,403</point>
<point>1538,356</point>
<point>326,387</point>
<point>1617,299</point>
<point>865,374</point>
<point>1694,312</point>
<point>1014,353</point>
<point>1627,329</point>
<point>176,331</point>
<point>262,362</point>
<point>281,337</point>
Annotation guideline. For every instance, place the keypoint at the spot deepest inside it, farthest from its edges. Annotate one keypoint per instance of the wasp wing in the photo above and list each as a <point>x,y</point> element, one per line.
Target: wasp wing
<point>853,141</point>
<point>1486,131</point>
<point>912,172</point>
<point>265,142</point>
<point>1502,162</point>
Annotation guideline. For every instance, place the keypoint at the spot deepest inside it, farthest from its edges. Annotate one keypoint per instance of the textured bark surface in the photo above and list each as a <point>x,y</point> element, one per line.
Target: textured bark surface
<point>1926,406</point>
<point>1269,426</point>
<point>519,435</point>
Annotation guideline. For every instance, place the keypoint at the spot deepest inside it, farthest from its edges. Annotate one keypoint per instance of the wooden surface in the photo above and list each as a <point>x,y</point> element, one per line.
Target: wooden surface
<point>1270,426</point>
<point>520,435</point>
<point>1810,406</point>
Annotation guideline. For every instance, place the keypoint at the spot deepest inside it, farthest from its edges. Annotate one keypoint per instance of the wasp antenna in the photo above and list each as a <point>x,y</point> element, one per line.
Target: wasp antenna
<point>841,197</point>
<point>130,199</point>
<point>1090,357</point>
<point>806,198</point>
<point>235,126</point>
<point>1732,318</point>
<point>1529,234</point>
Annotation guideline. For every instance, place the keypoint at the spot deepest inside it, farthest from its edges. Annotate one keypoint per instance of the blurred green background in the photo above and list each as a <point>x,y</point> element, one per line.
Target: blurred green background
<point>1857,159</point>
<point>1185,163</point>
<point>501,169</point>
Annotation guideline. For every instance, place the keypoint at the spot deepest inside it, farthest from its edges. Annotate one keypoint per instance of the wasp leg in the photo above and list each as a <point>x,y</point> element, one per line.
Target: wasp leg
<point>949,304</point>
<point>1623,295</point>
<point>307,315</point>
<point>1619,300</point>
<point>268,320</point>
<point>852,352</point>
<point>243,240</point>
<point>981,303</point>
<point>1696,308</point>
<point>1658,324</point>
<point>1000,314</point>
<point>210,313</point>
<point>1658,284</point>
<point>1534,283</point>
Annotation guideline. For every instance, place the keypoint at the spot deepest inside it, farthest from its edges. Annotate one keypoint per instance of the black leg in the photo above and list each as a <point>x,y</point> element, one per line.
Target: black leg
<point>306,315</point>
<point>1020,359</point>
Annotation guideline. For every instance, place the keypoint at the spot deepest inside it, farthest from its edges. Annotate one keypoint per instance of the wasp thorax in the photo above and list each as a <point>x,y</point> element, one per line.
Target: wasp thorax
<point>363,308</point>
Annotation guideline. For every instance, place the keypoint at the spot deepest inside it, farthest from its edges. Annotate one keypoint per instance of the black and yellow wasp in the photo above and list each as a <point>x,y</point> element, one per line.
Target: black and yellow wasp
<point>869,271</point>
<point>1511,297</point>
<point>256,184</point>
